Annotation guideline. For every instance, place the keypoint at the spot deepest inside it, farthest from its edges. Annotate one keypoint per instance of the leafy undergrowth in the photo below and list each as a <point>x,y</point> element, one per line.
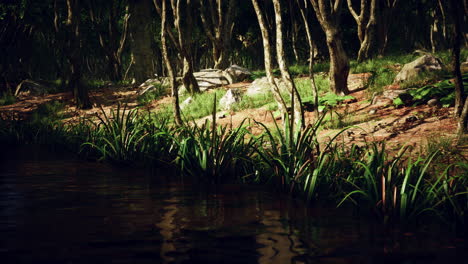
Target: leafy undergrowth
<point>396,189</point>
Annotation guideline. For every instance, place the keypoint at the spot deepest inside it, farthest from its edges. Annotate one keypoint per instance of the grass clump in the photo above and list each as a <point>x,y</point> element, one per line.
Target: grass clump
<point>119,135</point>
<point>201,105</point>
<point>157,92</point>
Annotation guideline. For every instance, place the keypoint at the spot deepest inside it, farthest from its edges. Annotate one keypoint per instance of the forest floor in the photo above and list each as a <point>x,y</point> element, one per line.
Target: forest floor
<point>418,126</point>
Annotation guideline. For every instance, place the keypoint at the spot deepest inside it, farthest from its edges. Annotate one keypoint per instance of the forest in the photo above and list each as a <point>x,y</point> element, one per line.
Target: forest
<point>365,102</point>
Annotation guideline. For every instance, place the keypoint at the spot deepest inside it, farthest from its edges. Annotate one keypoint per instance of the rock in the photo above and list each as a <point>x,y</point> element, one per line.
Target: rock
<point>238,73</point>
<point>211,78</point>
<point>393,94</point>
<point>372,111</point>
<point>30,87</point>
<point>153,84</point>
<point>426,63</point>
<point>433,103</point>
<point>411,119</point>
<point>231,97</point>
<point>464,67</point>
<point>186,102</point>
<point>403,95</point>
<point>262,86</point>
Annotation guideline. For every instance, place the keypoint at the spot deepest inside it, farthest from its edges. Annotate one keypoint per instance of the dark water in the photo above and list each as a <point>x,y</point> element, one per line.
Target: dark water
<point>58,209</point>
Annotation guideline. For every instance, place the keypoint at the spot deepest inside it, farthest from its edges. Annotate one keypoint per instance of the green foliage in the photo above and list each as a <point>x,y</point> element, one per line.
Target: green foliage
<point>396,189</point>
<point>119,135</point>
<point>213,154</point>
<point>7,99</point>
<point>256,101</point>
<point>158,91</point>
<point>202,104</point>
<point>443,90</point>
<point>48,113</point>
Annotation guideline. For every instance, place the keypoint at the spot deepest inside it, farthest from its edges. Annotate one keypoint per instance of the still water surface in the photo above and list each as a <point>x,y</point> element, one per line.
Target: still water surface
<point>58,209</point>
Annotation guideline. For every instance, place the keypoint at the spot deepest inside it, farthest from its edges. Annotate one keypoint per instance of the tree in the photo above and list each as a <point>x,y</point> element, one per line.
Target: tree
<point>105,16</point>
<point>267,59</point>
<point>73,53</point>
<point>312,48</point>
<point>140,39</point>
<point>328,15</point>
<point>461,102</point>
<point>296,101</point>
<point>218,24</point>
<point>182,27</point>
<point>170,69</point>
<point>366,23</point>
<point>386,19</point>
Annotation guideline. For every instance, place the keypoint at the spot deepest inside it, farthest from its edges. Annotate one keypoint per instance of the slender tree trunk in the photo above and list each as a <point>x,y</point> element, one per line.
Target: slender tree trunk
<point>282,107</point>
<point>311,60</point>
<point>463,120</point>
<point>184,33</point>
<point>140,40</point>
<point>296,102</point>
<point>80,92</point>
<point>369,36</point>
<point>328,13</point>
<point>366,22</point>
<point>170,69</point>
<point>218,27</point>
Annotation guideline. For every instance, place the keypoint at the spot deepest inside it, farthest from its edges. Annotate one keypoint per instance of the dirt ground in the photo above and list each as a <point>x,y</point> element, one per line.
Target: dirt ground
<point>414,126</point>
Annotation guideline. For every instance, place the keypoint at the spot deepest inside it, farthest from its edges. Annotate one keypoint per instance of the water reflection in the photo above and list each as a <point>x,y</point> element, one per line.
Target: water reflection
<point>54,209</point>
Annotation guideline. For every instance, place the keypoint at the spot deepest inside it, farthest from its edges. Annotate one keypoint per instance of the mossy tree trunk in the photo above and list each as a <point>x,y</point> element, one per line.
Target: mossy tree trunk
<point>328,13</point>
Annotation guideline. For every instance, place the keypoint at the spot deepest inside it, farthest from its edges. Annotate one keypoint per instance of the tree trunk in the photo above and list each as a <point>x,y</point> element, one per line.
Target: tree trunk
<point>218,29</point>
<point>311,59</point>
<point>296,103</point>
<point>328,13</point>
<point>282,107</point>
<point>386,18</point>
<point>463,120</point>
<point>140,40</point>
<point>170,69</point>
<point>80,92</point>
<point>459,90</point>
<point>366,22</point>
<point>339,65</point>
<point>369,35</point>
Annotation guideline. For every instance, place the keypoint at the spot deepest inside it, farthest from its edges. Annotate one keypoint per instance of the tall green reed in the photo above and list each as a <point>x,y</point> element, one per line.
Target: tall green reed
<point>119,135</point>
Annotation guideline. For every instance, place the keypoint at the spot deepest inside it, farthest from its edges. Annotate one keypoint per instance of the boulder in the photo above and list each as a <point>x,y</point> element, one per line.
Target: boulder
<point>262,86</point>
<point>153,84</point>
<point>389,96</point>
<point>231,97</point>
<point>211,78</point>
<point>237,73</point>
<point>433,103</point>
<point>426,63</point>
<point>29,87</point>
